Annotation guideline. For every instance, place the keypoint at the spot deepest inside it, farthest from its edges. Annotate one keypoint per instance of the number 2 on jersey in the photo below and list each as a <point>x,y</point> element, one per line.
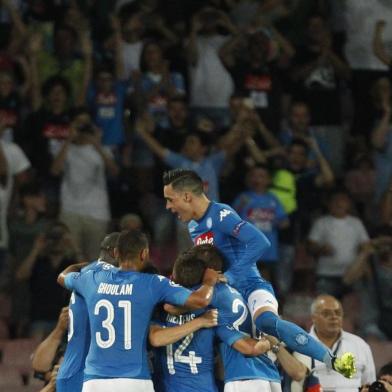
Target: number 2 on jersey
<point>108,324</point>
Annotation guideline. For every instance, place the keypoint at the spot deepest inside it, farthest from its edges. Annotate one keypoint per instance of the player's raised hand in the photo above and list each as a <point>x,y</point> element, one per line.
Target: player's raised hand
<point>209,319</point>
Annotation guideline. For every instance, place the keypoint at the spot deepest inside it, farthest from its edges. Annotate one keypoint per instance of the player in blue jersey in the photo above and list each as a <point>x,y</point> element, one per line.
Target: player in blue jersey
<point>243,373</point>
<point>242,245</point>
<point>70,375</point>
<point>189,364</point>
<point>120,303</point>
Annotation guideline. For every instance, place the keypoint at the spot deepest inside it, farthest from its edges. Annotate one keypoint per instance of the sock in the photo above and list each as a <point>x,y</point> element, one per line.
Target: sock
<point>294,337</point>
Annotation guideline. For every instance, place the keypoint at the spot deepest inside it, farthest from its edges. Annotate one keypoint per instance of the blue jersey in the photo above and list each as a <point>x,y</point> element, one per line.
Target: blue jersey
<point>119,305</point>
<point>265,211</point>
<point>235,323</point>
<point>78,339</point>
<point>241,243</point>
<point>187,365</point>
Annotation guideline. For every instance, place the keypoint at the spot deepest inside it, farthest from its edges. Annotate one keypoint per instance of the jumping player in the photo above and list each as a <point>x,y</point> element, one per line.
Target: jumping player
<point>242,245</point>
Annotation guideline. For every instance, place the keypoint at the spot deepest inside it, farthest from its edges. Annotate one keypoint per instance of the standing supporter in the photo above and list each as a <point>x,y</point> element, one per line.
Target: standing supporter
<point>47,126</point>
<point>210,84</point>
<point>372,268</point>
<point>318,73</point>
<point>381,136</point>
<point>156,83</point>
<point>327,317</point>
<point>335,239</point>
<point>105,96</point>
<point>84,164</point>
<point>242,245</point>
<point>13,171</point>
<point>129,297</point>
<point>29,223</point>
<point>52,251</point>
<point>256,74</point>
<point>265,211</point>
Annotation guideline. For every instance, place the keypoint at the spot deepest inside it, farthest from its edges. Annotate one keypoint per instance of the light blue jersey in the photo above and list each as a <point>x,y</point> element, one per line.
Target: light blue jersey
<point>235,323</point>
<point>119,305</point>
<point>187,365</point>
<point>240,242</point>
<point>70,375</point>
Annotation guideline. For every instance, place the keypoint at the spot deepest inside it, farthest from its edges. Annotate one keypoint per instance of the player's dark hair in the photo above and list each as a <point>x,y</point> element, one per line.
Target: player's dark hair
<point>183,180</point>
<point>210,254</point>
<point>385,370</point>
<point>188,269</point>
<point>130,244</point>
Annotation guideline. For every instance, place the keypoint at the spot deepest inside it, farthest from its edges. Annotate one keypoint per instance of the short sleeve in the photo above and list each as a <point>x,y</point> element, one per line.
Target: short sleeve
<point>362,233</point>
<point>170,292</point>
<point>228,334</point>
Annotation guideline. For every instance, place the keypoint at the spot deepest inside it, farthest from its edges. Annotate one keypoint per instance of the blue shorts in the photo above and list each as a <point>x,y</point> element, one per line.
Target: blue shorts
<point>71,384</point>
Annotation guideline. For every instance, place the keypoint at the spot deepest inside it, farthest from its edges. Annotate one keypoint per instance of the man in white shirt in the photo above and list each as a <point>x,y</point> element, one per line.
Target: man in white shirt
<point>84,199</point>
<point>335,239</point>
<point>13,166</point>
<point>327,317</point>
<point>210,83</point>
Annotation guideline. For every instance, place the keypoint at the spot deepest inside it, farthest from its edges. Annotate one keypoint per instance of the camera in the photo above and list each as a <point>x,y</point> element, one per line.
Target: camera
<point>377,386</point>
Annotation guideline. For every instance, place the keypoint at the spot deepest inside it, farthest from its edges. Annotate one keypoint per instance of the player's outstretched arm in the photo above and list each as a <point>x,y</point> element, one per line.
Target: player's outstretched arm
<point>68,270</point>
<point>252,347</point>
<point>160,336</point>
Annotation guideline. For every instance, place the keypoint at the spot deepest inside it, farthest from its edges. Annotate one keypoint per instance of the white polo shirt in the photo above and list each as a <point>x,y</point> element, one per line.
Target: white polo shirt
<point>333,381</point>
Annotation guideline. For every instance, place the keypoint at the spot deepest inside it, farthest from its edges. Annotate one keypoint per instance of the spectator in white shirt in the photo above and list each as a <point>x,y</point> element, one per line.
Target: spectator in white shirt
<point>84,199</point>
<point>210,83</point>
<point>13,166</point>
<point>327,316</point>
<point>335,239</point>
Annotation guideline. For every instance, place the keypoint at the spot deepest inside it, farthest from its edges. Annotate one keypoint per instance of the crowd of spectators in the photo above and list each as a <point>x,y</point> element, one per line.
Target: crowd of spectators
<point>282,107</point>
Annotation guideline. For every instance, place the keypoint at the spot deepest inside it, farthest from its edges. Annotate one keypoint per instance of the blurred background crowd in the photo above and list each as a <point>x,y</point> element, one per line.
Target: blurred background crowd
<point>283,107</point>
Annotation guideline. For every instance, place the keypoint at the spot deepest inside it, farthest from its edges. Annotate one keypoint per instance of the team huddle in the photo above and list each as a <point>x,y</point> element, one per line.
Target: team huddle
<point>133,330</point>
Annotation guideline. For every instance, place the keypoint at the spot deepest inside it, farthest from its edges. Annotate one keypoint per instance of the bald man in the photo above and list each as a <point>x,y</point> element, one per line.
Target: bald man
<point>327,316</point>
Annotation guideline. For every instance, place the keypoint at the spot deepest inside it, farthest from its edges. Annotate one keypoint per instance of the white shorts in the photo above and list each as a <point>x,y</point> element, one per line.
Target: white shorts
<point>118,385</point>
<point>252,386</point>
<point>261,298</point>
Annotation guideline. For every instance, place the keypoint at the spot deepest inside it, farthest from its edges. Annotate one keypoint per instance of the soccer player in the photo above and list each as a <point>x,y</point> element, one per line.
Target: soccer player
<point>242,245</point>
<point>70,375</point>
<point>120,304</point>
<point>188,365</point>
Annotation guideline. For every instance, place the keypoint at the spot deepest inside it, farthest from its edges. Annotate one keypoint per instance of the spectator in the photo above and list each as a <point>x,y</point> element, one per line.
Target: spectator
<point>106,96</point>
<point>318,73</point>
<point>373,268</point>
<point>335,239</point>
<point>52,252</point>
<point>24,228</point>
<point>210,84</point>
<point>327,316</point>
<point>13,170</point>
<point>384,378</point>
<point>157,83</point>
<point>265,211</point>
<point>386,207</point>
<point>47,127</point>
<point>299,128</point>
<point>256,74</point>
<point>131,222</point>
<point>381,136</point>
<point>358,48</point>
<point>84,200</point>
